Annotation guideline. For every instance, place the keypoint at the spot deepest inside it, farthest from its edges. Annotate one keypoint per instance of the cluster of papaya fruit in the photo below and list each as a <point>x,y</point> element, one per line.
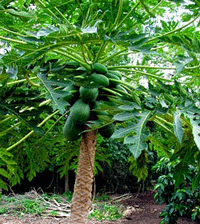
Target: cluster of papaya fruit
<point>85,107</point>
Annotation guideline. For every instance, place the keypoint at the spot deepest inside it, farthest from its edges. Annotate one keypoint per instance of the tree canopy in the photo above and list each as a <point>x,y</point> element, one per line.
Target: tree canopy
<point>48,46</point>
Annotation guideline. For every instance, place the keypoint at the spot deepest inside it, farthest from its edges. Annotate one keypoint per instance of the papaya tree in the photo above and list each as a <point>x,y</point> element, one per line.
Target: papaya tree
<point>89,60</point>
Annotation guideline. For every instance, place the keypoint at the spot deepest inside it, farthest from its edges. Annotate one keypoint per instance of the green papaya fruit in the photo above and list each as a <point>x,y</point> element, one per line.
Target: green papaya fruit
<point>115,73</point>
<point>112,76</point>
<point>70,91</point>
<point>99,68</point>
<point>99,79</point>
<point>107,131</point>
<point>71,131</point>
<point>80,112</point>
<point>88,94</point>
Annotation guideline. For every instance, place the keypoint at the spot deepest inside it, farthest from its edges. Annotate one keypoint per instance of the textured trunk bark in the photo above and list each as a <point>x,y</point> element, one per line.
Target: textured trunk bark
<point>67,182</point>
<point>84,180</point>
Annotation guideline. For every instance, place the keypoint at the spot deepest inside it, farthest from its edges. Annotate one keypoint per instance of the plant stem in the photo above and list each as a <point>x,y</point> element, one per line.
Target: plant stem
<point>83,53</point>
<point>146,9</point>
<point>118,14</point>
<point>111,91</point>
<point>112,56</point>
<point>102,47</point>
<point>48,9</point>
<point>191,68</point>
<point>133,9</point>
<point>173,31</point>
<point>122,82</point>
<point>123,93</point>
<point>15,33</point>
<point>12,40</point>
<point>82,14</point>
<point>73,58</point>
<point>163,120</point>
<point>163,126</point>
<point>140,66</point>
<point>147,74</point>
<point>6,119</point>
<point>31,132</point>
<point>7,130</point>
<point>51,127</point>
<point>29,81</point>
<point>20,81</point>
<point>153,10</point>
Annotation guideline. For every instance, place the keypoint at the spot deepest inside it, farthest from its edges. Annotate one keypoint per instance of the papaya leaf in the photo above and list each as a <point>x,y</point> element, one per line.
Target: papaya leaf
<point>196,181</point>
<point>20,14</point>
<point>139,166</point>
<point>137,142</point>
<point>179,173</point>
<point>57,97</point>
<point>125,116</point>
<point>178,130</point>
<point>129,107</point>
<point>9,108</point>
<point>4,173</point>
<point>196,131</point>
<point>134,134</point>
<point>123,131</point>
<point>3,185</point>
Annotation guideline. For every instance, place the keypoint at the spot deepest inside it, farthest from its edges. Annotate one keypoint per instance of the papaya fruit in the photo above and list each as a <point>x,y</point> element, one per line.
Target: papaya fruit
<point>107,131</point>
<point>115,73</point>
<point>112,76</point>
<point>99,79</point>
<point>71,131</point>
<point>99,68</point>
<point>88,94</point>
<point>80,112</point>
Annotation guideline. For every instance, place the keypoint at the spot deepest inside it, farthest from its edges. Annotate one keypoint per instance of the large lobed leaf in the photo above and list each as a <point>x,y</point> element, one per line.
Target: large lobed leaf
<point>134,134</point>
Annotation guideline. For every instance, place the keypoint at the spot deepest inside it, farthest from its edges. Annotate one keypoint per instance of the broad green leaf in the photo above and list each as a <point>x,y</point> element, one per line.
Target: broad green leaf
<point>57,97</point>
<point>130,107</point>
<point>3,185</point>
<point>196,131</point>
<point>125,116</point>
<point>21,14</point>
<point>177,125</point>
<point>4,173</point>
<point>123,131</point>
<point>137,142</point>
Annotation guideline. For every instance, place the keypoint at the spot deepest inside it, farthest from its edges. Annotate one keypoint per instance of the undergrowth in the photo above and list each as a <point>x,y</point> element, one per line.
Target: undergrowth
<point>46,204</point>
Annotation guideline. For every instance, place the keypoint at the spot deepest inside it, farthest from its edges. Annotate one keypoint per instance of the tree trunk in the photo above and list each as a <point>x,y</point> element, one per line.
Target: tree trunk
<point>84,180</point>
<point>67,182</point>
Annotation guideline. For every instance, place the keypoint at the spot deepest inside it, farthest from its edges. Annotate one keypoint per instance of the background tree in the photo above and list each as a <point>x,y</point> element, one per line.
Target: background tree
<point>69,50</point>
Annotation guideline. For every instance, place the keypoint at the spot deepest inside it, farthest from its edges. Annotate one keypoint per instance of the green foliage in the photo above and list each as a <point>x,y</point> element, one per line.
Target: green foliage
<point>71,131</point>
<point>106,212</point>
<point>180,201</point>
<point>21,205</point>
<point>116,175</point>
<point>31,207</point>
<point>139,167</point>
<point>196,213</point>
<point>134,134</point>
<point>53,49</point>
<point>88,94</point>
<point>107,131</point>
<point>7,167</point>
